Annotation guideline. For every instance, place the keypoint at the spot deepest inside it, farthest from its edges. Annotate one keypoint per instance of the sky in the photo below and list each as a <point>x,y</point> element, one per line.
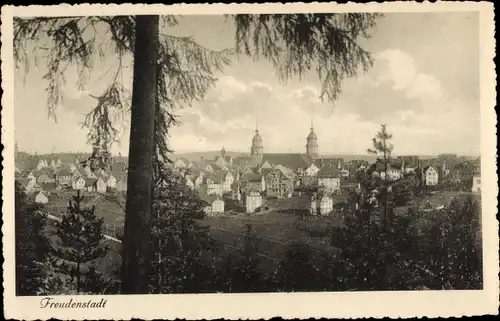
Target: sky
<point>424,85</point>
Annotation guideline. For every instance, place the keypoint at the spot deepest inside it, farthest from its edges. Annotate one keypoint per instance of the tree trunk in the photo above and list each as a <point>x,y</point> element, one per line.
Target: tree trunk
<point>136,238</point>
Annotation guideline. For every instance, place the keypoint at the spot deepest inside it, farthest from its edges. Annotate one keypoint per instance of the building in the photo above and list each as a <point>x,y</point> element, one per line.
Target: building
<point>101,184</point>
<point>325,205</point>
<point>213,204</point>
<point>41,198</point>
<point>278,184</point>
<point>225,179</point>
<point>64,176</point>
<point>257,149</point>
<point>394,169</point>
<point>111,181</point>
<point>254,182</point>
<point>312,143</point>
<point>223,161</point>
<point>44,178</point>
<point>253,201</point>
<point>91,184</point>
<point>78,183</point>
<point>476,183</point>
<point>329,179</point>
<point>212,186</point>
<point>430,175</point>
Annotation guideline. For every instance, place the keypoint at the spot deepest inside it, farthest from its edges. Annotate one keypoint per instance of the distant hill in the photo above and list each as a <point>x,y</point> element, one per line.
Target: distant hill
<point>196,156</point>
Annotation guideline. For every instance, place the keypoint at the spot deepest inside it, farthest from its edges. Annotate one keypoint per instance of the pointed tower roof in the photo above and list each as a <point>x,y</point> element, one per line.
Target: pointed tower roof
<point>312,134</point>
<point>256,137</point>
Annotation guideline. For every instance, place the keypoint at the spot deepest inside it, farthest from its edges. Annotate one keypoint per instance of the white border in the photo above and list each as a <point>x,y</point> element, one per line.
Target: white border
<point>255,306</point>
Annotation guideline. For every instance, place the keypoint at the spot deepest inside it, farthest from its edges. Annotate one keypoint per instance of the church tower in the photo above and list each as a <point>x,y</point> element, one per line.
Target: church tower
<point>312,143</point>
<point>257,147</point>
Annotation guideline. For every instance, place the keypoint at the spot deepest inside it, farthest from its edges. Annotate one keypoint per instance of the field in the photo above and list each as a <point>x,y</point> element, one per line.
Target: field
<point>111,212</point>
<point>274,230</point>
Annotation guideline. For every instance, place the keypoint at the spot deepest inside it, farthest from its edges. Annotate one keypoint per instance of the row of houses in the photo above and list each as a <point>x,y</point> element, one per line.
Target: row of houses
<point>73,177</point>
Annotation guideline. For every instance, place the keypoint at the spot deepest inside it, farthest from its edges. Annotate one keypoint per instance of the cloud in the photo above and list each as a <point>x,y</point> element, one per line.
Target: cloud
<point>419,111</point>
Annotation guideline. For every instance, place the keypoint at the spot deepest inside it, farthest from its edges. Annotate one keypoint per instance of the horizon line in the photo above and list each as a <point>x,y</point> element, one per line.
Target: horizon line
<point>241,152</point>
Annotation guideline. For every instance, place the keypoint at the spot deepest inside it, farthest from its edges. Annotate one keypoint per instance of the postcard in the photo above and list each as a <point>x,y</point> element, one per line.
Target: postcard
<point>249,161</point>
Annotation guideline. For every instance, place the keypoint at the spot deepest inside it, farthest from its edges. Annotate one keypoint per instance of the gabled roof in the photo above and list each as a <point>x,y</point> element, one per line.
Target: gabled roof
<point>426,168</point>
<point>252,177</point>
<point>292,161</point>
<point>64,172</point>
<point>48,186</point>
<point>266,171</point>
<point>45,170</point>
<point>240,161</point>
<point>89,181</point>
<point>329,172</point>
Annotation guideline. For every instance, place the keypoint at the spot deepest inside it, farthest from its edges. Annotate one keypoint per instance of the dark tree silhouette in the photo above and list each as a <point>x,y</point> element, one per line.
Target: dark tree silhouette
<point>32,246</point>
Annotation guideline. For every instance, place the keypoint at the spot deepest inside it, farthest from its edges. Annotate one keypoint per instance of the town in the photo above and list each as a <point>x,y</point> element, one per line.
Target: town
<point>255,184</point>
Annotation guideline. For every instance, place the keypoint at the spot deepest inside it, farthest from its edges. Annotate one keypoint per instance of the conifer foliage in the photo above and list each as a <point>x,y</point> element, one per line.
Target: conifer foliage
<point>31,245</point>
<point>80,235</point>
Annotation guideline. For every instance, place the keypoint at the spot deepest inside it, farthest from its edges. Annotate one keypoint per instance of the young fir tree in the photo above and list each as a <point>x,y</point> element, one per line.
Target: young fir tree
<point>32,246</point>
<point>383,149</point>
<point>80,235</point>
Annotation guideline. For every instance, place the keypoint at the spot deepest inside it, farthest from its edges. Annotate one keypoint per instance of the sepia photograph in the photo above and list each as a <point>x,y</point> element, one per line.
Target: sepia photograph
<point>251,152</point>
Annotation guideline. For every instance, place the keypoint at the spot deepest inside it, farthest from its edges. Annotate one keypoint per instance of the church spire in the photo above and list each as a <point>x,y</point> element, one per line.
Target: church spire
<point>312,123</point>
<point>257,126</point>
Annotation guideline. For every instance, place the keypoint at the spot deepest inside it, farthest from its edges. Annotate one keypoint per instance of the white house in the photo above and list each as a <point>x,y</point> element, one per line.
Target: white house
<point>41,198</point>
<point>312,170</point>
<point>78,183</point>
<point>226,182</point>
<point>218,206</point>
<point>64,176</point>
<point>476,183</point>
<point>431,176</point>
<point>325,205</point>
<point>329,178</point>
<point>214,188</point>
<point>101,185</point>
<point>213,204</point>
<point>253,201</point>
<point>111,181</point>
